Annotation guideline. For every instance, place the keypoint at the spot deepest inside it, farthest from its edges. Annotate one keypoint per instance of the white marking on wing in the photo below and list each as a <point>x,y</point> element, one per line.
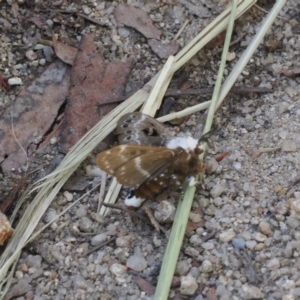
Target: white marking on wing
<point>139,168</point>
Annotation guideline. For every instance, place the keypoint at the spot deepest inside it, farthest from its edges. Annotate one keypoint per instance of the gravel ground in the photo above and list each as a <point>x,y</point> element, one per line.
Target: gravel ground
<point>248,246</point>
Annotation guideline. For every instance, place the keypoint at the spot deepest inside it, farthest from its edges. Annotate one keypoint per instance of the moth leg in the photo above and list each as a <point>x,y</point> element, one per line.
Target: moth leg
<point>152,219</point>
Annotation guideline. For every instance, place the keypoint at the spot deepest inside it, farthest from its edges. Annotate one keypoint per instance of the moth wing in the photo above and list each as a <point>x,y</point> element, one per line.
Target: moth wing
<point>141,129</point>
<point>111,160</point>
<point>144,167</point>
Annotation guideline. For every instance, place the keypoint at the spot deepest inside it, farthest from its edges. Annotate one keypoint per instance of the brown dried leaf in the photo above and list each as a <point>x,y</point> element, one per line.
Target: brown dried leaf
<point>21,288</point>
<point>37,21</point>
<point>7,202</point>
<point>272,45</point>
<point>211,294</point>
<point>23,285</point>
<point>163,50</point>
<point>290,73</point>
<point>5,229</point>
<point>93,83</point>
<point>194,225</point>
<point>137,19</point>
<point>145,285</point>
<point>33,113</point>
<point>65,52</point>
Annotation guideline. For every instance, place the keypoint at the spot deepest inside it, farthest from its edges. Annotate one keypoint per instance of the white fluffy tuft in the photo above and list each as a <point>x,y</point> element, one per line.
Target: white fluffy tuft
<point>133,201</point>
<point>192,181</point>
<point>187,143</point>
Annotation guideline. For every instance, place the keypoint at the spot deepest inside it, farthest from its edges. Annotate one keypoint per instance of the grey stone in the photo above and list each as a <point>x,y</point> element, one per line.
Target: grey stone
<point>136,262</point>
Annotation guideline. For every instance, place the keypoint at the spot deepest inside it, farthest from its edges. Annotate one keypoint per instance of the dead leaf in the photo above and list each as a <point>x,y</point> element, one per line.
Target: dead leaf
<point>3,82</point>
<point>18,289</point>
<point>272,45</point>
<point>65,52</point>
<point>211,294</point>
<point>37,21</point>
<point>5,229</point>
<point>163,50</point>
<point>221,156</point>
<point>194,225</point>
<point>145,285</point>
<point>33,111</point>
<point>15,9</point>
<point>23,285</point>
<point>137,19</point>
<point>13,194</point>
<point>93,83</point>
<point>290,73</point>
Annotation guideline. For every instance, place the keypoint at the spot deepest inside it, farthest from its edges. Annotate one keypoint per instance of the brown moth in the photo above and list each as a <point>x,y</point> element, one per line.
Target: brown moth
<point>150,169</point>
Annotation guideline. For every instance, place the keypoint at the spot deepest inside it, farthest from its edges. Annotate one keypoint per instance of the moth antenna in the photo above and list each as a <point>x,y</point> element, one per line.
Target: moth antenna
<point>206,136</point>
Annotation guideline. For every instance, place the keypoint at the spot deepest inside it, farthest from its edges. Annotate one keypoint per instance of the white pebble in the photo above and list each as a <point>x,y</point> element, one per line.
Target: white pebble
<point>15,81</point>
<point>117,269</point>
<point>68,196</point>
<point>188,285</point>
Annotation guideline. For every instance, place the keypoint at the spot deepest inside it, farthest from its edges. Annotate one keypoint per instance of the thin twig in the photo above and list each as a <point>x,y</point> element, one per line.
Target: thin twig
<point>22,148</point>
<point>217,51</point>
<point>249,270</point>
<point>100,246</point>
<point>181,30</point>
<point>267,12</point>
<point>208,91</point>
<point>132,213</point>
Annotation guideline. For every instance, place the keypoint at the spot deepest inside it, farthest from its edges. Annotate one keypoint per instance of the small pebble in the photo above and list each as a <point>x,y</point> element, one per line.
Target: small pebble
<point>99,239</point>
<point>259,237</point>
<point>165,212</point>
<point>288,146</point>
<point>34,261</point>
<point>15,81</point>
<point>125,241</point>
<point>230,56</point>
<point>264,227</point>
<point>68,196</point>
<point>136,262</point>
<point>288,297</point>
<point>183,267</point>
<point>238,243</point>
<point>206,266</point>
<point>273,264</point>
<point>188,285</point>
<point>251,244</point>
<point>31,55</point>
<point>237,165</point>
<point>42,62</point>
<point>227,235</point>
<point>248,292</point>
<point>217,190</point>
<point>86,9</point>
<point>117,269</point>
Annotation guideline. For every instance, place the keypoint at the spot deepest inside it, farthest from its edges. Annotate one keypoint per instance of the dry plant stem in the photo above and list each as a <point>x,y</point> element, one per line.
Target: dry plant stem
<point>154,101</point>
<point>208,91</point>
<point>185,204</point>
<point>240,66</point>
